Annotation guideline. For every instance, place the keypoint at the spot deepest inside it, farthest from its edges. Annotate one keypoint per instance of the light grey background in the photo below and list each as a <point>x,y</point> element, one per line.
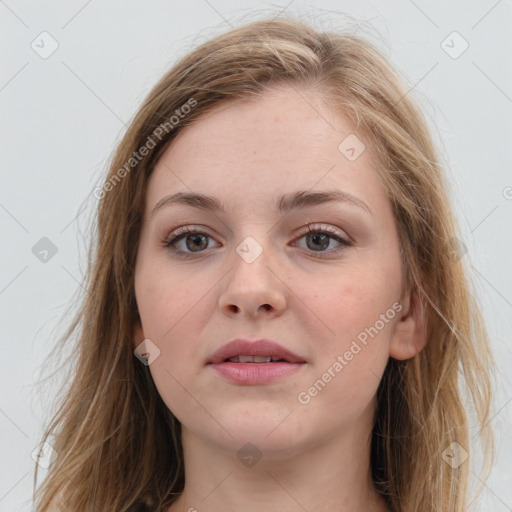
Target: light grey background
<point>61,117</point>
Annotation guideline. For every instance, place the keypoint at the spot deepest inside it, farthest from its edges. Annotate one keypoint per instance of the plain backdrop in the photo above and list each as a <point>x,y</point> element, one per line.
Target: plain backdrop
<point>74,73</point>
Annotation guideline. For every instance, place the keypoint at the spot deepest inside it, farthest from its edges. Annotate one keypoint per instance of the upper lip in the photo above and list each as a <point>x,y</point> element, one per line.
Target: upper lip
<point>263,347</point>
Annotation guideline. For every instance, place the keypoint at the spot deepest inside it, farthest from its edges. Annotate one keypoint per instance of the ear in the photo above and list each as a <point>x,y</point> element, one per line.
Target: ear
<point>410,333</point>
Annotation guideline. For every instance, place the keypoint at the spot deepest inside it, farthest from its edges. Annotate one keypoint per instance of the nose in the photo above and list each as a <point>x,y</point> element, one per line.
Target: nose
<point>254,288</point>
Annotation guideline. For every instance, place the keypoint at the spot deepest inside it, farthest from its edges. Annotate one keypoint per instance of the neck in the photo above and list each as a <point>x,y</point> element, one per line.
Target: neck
<point>331,476</point>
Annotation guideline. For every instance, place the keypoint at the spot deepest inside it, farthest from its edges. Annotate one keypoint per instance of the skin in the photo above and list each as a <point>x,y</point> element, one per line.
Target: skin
<point>314,456</point>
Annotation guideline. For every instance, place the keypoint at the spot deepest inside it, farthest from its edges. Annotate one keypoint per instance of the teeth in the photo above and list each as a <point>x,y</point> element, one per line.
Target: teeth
<point>252,359</point>
<point>261,359</point>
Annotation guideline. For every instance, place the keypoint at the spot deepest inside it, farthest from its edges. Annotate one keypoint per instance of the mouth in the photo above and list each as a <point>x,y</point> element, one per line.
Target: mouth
<point>256,352</point>
<point>244,362</point>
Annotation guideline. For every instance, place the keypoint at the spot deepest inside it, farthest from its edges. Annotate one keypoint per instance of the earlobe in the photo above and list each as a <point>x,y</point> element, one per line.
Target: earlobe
<point>410,333</point>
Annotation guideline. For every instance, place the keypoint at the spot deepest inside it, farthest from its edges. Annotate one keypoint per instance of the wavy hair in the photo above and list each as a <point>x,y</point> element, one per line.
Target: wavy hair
<point>119,447</point>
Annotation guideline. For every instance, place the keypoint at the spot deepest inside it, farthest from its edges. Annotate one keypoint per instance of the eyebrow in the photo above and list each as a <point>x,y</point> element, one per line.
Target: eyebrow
<point>286,203</point>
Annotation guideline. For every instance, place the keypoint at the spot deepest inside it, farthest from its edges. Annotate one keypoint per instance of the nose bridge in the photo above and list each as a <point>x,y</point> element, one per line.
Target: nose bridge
<point>252,261</point>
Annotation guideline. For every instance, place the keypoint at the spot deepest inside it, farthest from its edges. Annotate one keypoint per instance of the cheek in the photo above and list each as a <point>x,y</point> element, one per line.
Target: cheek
<point>166,298</point>
<point>173,310</point>
<point>348,362</point>
<point>354,317</point>
<point>350,300</point>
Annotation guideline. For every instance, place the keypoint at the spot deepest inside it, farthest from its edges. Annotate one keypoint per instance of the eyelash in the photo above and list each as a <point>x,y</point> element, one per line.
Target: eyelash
<point>186,230</point>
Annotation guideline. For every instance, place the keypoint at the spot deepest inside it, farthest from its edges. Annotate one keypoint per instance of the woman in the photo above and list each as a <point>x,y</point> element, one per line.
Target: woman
<point>277,296</point>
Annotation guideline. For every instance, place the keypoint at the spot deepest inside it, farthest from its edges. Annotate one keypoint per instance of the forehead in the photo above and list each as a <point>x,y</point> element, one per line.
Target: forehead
<point>285,140</point>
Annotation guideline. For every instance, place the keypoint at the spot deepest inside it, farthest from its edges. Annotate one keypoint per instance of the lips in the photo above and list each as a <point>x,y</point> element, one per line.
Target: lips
<point>254,363</point>
<point>255,352</point>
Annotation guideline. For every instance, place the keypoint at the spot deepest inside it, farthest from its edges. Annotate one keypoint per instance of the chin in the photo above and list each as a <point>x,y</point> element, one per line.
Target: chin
<point>273,432</point>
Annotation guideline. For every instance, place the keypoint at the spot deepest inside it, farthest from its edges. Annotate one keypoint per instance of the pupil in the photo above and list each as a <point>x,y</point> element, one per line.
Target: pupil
<point>323,238</point>
<point>196,243</point>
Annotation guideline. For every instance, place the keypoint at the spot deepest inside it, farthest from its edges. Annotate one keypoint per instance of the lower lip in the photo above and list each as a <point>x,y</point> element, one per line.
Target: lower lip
<point>255,373</point>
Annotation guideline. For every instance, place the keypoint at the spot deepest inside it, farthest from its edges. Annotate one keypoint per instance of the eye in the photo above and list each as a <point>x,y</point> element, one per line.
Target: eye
<point>319,238</point>
<point>195,241</point>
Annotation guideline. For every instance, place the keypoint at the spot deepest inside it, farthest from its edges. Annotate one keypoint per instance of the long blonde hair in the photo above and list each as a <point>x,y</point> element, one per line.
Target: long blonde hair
<point>119,447</point>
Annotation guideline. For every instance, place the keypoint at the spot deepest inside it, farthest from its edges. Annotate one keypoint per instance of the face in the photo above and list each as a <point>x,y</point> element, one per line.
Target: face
<point>329,292</point>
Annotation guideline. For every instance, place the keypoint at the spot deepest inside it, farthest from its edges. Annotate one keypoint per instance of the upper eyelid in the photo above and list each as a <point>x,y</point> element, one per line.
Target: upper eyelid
<point>313,226</point>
